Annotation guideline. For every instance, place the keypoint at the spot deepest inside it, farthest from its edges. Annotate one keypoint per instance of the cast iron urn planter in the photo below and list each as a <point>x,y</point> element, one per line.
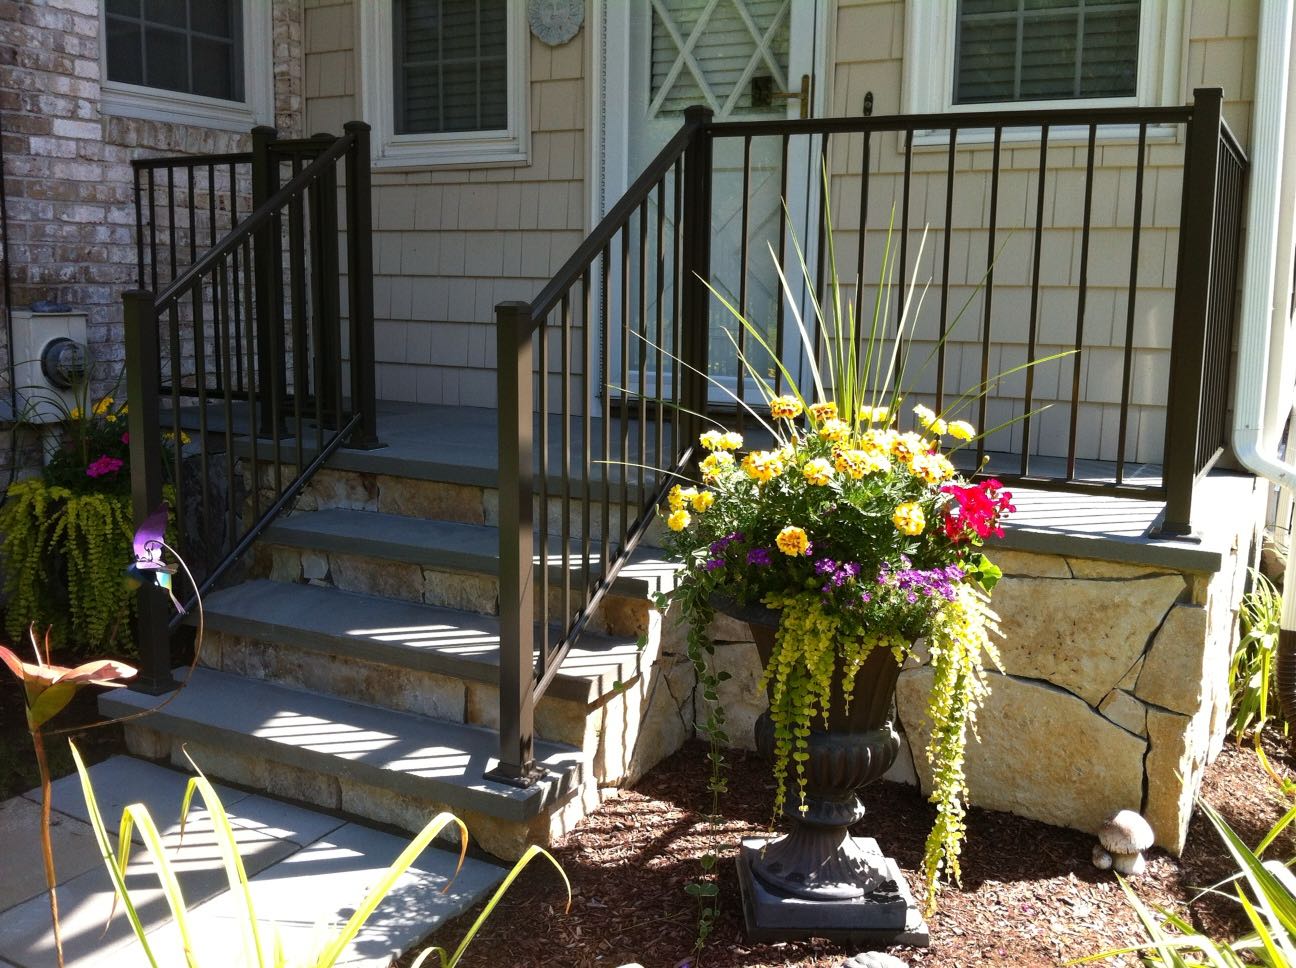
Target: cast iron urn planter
<point>818,880</point>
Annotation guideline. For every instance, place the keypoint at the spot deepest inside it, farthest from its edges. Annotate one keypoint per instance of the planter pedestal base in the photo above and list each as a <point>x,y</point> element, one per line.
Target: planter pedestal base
<point>887,916</point>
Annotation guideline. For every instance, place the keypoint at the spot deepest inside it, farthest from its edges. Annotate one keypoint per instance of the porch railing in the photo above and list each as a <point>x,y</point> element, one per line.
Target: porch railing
<point>243,374</point>
<point>592,425</point>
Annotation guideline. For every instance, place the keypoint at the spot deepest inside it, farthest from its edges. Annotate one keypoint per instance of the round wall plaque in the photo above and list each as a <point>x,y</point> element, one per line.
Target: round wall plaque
<point>555,21</point>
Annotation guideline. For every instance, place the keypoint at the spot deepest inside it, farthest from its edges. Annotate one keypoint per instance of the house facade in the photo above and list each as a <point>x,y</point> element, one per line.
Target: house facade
<point>1007,183</point>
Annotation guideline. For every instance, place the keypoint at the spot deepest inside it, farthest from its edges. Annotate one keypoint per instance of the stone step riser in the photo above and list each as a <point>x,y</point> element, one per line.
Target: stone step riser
<point>503,838</point>
<point>615,615</point>
<point>439,501</point>
<point>422,692</point>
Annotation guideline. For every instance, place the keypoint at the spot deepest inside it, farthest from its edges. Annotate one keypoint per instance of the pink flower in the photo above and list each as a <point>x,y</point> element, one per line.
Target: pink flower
<point>104,466</point>
<point>126,437</point>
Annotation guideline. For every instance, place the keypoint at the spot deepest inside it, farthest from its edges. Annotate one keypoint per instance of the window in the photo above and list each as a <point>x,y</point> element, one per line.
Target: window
<point>203,62</point>
<point>976,55</point>
<point>453,90</point>
<point>194,47</point>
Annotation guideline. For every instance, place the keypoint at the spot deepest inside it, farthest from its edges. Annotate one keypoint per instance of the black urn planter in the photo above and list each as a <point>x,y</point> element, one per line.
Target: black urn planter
<point>818,880</point>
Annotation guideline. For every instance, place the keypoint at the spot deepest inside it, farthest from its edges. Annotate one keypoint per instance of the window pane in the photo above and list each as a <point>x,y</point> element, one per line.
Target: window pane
<point>192,47</point>
<point>124,61</point>
<point>1026,50</point>
<point>451,70</point>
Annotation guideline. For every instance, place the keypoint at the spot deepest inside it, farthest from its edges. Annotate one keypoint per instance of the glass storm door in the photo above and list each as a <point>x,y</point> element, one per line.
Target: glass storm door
<point>744,59</point>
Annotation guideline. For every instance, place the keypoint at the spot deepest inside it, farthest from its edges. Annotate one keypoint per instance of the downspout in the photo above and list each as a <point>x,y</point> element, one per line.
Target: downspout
<point>1266,305</point>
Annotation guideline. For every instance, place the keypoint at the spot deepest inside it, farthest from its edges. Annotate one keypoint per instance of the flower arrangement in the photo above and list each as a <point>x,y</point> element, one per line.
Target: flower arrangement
<point>67,531</point>
<point>850,521</point>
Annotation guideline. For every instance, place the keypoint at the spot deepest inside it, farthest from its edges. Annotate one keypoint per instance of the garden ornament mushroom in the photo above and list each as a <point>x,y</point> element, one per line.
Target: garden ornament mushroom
<point>873,959</point>
<point>1121,842</point>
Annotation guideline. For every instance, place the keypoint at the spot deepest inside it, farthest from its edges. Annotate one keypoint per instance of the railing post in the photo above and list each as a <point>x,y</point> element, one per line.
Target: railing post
<point>695,261</point>
<point>326,311</point>
<point>152,622</point>
<point>1191,308</point>
<point>359,202</point>
<point>269,349</point>
<point>514,367</point>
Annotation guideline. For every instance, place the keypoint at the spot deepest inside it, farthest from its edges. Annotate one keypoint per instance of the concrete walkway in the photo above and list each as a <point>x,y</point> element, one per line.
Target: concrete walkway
<point>308,871</point>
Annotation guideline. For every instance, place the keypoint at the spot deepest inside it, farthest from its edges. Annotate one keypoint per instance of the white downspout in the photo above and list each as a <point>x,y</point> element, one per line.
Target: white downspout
<point>1264,304</point>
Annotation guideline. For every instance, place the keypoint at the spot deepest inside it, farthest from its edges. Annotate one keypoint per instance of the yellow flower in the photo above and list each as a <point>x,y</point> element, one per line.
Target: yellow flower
<point>715,465</point>
<point>904,446</point>
<point>102,406</point>
<point>838,431</point>
<point>792,541</point>
<point>925,415</point>
<point>818,472</point>
<point>932,468</point>
<point>76,414</point>
<point>824,411</point>
<point>909,518</point>
<point>717,440</point>
<point>857,463</point>
<point>875,415</point>
<point>678,520</point>
<point>878,441</point>
<point>680,496</point>
<point>961,430</point>
<point>702,501</point>
<point>785,408</point>
<point>763,465</point>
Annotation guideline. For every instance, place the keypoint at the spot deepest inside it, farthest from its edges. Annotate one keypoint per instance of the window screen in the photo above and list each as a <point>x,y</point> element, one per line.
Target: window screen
<point>190,46</point>
<point>1036,50</point>
<point>451,65</point>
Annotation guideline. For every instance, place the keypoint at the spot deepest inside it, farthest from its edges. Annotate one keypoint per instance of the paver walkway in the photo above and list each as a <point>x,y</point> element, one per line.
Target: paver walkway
<point>307,872</point>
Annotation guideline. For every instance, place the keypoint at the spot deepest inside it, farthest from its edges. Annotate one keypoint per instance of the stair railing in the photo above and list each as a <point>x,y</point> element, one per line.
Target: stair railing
<point>577,491</point>
<point>238,382</point>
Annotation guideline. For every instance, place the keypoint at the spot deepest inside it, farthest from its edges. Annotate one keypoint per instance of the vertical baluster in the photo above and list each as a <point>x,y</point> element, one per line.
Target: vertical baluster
<point>297,288</point>
<point>322,284</point>
<point>587,442</point>
<point>139,227</point>
<point>254,374</point>
<point>660,460</point>
<point>171,219</point>
<point>678,445</point>
<point>152,207</point>
<point>222,292</point>
<point>200,382</point>
<point>822,256</point>
<point>1080,304</point>
<point>565,340</point>
<point>945,269</point>
<point>623,424</point>
<point>866,161</point>
<point>782,261</point>
<point>237,269</point>
<point>641,389</point>
<point>543,545</point>
<point>989,295</point>
<point>605,371</point>
<point>1127,366</point>
<point>174,349</point>
<point>1033,335</point>
<point>744,245</point>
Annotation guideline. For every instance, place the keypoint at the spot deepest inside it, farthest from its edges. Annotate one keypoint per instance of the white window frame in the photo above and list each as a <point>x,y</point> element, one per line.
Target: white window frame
<point>177,107</point>
<point>930,35</point>
<point>507,146</point>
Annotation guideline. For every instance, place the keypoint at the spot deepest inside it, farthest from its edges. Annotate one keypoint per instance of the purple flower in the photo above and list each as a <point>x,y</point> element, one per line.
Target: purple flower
<point>720,544</point>
<point>865,597</point>
<point>758,556</point>
<point>825,566</point>
<point>714,564</point>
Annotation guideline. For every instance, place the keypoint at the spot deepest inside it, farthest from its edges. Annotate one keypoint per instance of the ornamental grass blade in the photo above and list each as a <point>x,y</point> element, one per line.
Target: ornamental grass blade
<point>393,873</point>
<point>532,852</point>
<point>106,851</point>
<point>166,875</point>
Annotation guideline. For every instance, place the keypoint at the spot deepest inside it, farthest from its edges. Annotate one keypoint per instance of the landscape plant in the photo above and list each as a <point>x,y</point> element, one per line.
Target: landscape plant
<point>257,950</point>
<point>853,524</point>
<point>1252,684</point>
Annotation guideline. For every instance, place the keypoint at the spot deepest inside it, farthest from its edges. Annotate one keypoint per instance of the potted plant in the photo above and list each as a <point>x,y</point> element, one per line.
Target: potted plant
<point>842,532</point>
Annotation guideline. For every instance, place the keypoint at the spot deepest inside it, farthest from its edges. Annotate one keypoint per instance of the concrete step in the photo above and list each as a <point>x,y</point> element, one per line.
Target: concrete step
<point>446,563</point>
<point>305,867</point>
<point>364,761</point>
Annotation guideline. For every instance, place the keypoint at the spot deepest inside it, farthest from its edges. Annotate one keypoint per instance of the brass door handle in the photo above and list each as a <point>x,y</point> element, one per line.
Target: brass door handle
<point>763,94</point>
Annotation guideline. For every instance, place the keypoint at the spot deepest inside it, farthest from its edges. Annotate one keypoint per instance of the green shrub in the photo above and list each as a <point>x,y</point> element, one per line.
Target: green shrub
<point>1252,685</point>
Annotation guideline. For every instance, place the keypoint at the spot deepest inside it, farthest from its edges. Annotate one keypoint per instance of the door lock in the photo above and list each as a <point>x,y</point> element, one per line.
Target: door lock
<point>763,94</point>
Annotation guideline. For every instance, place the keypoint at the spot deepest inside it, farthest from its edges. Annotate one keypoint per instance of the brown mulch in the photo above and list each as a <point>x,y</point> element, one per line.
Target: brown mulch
<point>1030,895</point>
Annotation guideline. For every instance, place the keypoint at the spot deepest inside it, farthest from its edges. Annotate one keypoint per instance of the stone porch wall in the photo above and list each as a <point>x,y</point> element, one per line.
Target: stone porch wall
<point>1113,685</point>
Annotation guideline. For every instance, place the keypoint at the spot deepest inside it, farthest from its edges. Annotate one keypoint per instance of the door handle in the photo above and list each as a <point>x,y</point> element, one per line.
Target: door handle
<point>763,93</point>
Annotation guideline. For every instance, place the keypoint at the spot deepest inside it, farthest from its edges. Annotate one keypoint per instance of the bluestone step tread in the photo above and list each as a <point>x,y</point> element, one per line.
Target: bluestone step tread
<point>407,754</point>
<point>405,634</point>
<point>450,545</point>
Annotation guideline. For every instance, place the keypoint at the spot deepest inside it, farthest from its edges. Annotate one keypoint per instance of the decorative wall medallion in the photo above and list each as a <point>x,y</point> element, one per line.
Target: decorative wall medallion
<point>555,21</point>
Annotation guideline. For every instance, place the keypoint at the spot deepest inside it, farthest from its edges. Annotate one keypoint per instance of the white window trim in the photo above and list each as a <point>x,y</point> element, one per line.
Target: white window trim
<point>930,29</point>
<point>509,146</point>
<point>176,107</point>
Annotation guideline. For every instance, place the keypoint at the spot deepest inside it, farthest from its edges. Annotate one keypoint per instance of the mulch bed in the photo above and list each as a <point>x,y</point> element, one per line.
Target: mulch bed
<point>1030,895</point>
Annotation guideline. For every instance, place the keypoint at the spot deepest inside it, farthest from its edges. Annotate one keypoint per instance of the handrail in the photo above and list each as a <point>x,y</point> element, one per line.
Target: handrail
<point>614,220</point>
<point>191,161</point>
<point>263,214</point>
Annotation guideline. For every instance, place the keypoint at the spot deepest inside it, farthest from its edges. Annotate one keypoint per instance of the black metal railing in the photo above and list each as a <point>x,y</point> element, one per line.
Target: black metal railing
<point>243,374</point>
<point>604,378</point>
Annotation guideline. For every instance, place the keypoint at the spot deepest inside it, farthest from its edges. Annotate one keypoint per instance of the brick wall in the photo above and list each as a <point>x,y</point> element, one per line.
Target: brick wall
<point>70,205</point>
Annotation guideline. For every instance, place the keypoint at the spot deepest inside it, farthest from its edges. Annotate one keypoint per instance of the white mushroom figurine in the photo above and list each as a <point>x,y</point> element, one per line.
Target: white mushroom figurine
<point>1121,842</point>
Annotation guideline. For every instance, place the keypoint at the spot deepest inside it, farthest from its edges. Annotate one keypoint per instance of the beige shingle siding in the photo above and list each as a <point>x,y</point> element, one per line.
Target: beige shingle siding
<point>869,58</point>
<point>451,243</point>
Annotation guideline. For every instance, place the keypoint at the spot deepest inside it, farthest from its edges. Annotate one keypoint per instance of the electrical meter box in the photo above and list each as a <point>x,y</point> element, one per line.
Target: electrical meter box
<point>50,363</point>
